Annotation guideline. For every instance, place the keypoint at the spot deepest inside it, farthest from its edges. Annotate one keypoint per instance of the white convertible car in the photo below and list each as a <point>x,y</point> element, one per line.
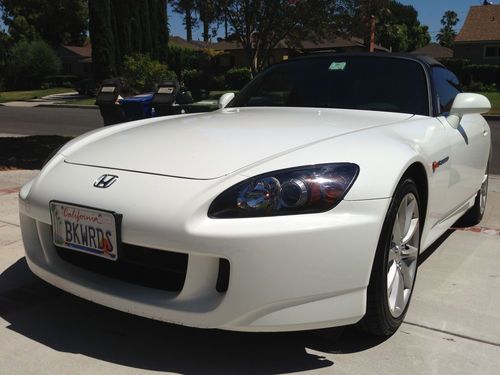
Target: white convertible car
<point>303,202</point>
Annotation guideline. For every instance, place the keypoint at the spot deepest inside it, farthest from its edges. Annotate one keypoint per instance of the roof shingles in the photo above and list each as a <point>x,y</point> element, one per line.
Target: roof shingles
<point>482,24</point>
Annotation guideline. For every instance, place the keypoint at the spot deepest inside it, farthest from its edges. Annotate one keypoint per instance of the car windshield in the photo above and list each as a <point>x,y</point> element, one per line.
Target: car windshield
<point>350,82</point>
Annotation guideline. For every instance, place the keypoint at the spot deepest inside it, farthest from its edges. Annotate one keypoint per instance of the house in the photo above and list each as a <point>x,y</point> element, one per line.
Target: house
<point>196,45</point>
<point>76,60</point>
<point>435,51</point>
<point>233,54</point>
<point>479,39</point>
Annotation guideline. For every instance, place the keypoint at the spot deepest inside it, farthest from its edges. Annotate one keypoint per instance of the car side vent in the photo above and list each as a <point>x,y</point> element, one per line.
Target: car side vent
<point>223,277</point>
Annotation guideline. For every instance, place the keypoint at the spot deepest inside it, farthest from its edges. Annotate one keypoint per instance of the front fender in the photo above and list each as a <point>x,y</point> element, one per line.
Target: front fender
<point>383,154</point>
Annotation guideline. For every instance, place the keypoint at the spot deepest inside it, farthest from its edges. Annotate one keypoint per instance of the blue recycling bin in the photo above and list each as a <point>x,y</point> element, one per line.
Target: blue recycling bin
<point>137,107</point>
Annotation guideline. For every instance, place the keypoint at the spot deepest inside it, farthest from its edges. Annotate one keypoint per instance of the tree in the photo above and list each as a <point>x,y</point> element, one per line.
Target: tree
<point>260,25</point>
<point>208,15</point>
<point>56,22</point>
<point>398,27</point>
<point>30,62</point>
<point>120,28</point>
<point>141,73</point>
<point>186,7</point>
<point>103,41</point>
<point>447,34</point>
<point>5,43</point>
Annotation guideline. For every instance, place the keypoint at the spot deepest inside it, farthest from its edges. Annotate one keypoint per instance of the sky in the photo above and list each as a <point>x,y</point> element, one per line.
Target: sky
<point>429,11</point>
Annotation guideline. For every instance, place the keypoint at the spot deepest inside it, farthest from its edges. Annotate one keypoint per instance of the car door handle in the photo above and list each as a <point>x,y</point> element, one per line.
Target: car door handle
<point>485,133</point>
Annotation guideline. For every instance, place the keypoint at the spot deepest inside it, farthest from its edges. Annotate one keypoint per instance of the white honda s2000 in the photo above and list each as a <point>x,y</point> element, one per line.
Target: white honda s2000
<point>304,202</point>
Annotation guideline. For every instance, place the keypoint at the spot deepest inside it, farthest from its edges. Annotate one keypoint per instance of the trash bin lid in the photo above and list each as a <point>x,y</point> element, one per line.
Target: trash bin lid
<point>142,98</point>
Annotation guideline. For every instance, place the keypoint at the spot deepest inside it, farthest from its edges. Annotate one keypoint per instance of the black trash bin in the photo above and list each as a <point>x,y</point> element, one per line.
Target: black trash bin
<point>164,98</point>
<point>107,100</point>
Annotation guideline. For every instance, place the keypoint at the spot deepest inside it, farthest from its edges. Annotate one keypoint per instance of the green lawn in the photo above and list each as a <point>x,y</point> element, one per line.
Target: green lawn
<point>9,96</point>
<point>86,101</point>
<point>495,101</point>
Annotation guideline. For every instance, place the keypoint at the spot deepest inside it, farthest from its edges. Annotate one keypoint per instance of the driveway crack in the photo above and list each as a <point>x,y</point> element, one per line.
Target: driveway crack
<point>453,334</point>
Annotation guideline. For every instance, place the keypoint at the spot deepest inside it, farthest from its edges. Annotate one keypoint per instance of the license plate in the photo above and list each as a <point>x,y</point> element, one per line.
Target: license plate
<point>85,229</point>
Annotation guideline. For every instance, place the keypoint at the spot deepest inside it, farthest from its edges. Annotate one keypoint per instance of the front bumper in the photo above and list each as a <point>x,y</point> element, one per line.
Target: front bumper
<point>286,273</point>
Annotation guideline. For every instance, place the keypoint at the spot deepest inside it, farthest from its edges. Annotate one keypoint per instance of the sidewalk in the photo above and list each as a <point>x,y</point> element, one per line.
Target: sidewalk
<point>54,100</point>
<point>452,326</point>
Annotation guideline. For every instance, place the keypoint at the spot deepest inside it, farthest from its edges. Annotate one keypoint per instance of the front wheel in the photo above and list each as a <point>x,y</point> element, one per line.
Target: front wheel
<point>395,264</point>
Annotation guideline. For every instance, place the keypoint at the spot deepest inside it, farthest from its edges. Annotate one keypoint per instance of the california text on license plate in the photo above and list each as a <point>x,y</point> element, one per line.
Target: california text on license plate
<point>84,229</point>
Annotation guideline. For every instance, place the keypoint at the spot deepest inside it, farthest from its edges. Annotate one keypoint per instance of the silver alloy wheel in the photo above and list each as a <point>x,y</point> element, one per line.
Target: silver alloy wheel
<point>483,194</point>
<point>403,252</point>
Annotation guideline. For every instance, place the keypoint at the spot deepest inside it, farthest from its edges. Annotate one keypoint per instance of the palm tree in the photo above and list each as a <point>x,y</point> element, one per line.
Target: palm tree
<point>208,14</point>
<point>186,7</point>
<point>447,34</point>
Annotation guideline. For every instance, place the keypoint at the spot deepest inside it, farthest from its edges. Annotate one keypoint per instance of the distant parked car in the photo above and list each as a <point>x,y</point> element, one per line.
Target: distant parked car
<point>304,202</point>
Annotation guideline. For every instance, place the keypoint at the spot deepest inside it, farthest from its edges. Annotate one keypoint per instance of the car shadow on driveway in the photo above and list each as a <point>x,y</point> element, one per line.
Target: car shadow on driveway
<point>69,324</point>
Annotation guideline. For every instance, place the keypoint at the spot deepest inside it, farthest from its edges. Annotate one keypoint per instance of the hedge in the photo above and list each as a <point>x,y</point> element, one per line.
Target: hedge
<point>236,78</point>
<point>473,73</point>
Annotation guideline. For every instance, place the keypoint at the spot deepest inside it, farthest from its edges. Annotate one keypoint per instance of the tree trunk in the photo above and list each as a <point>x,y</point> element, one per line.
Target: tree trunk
<point>205,31</point>
<point>189,25</point>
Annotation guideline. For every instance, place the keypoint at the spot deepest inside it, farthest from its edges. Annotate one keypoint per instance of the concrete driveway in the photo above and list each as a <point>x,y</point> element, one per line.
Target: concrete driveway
<point>453,326</point>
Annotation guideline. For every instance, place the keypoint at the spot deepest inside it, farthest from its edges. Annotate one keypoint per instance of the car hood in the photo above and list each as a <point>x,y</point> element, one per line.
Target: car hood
<point>211,145</point>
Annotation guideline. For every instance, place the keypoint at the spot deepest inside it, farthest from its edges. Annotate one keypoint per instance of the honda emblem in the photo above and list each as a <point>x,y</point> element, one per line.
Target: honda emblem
<point>105,181</point>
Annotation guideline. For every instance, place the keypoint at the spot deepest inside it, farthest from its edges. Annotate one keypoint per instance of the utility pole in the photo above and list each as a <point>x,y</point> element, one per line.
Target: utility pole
<point>372,33</point>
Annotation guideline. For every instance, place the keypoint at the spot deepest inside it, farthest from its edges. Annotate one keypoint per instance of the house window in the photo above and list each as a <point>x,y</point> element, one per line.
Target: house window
<point>492,51</point>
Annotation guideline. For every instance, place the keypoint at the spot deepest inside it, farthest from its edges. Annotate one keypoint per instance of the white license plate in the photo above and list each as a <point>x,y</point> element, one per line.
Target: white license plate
<point>84,229</point>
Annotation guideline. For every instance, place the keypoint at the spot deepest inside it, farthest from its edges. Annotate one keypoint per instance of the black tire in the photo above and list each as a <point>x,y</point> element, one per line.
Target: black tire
<point>378,319</point>
<point>475,214</point>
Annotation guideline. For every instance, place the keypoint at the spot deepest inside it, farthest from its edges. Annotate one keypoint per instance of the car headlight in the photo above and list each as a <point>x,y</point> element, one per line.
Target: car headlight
<point>302,190</point>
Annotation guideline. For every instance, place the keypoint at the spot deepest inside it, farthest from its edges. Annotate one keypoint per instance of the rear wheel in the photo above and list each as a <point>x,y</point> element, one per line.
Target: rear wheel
<point>395,265</point>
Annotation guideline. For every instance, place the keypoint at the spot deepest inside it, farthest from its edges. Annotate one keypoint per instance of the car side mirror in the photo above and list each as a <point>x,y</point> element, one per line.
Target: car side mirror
<point>225,99</point>
<point>466,104</point>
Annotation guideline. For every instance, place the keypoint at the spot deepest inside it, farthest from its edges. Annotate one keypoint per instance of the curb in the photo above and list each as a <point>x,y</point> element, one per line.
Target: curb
<point>492,117</point>
<point>68,106</point>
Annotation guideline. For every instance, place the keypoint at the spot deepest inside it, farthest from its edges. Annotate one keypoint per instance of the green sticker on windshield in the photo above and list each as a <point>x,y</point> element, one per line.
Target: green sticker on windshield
<point>337,65</point>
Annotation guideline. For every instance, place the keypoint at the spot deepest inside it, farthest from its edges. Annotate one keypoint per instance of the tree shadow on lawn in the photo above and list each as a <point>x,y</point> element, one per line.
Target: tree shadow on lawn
<point>69,324</point>
<point>28,152</point>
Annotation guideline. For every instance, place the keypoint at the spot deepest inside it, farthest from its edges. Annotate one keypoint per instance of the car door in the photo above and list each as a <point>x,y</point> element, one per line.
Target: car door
<point>469,144</point>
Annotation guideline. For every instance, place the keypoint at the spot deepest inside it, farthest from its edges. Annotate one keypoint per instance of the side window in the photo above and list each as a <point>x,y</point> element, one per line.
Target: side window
<point>447,87</point>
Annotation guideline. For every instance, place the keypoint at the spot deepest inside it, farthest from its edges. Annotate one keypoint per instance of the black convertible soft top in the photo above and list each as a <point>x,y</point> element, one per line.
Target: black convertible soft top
<point>427,60</point>
<point>390,82</point>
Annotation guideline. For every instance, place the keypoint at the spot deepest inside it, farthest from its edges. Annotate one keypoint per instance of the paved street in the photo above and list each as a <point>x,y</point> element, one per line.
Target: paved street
<point>452,326</point>
<point>48,121</point>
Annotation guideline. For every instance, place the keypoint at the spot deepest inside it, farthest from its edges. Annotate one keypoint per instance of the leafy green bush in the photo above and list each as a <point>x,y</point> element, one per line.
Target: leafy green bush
<point>30,62</point>
<point>476,86</point>
<point>456,65</point>
<point>487,74</point>
<point>236,78</point>
<point>474,75</point>
<point>218,83</point>
<point>193,79</point>
<point>142,74</point>
<point>59,81</point>
<point>180,59</point>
